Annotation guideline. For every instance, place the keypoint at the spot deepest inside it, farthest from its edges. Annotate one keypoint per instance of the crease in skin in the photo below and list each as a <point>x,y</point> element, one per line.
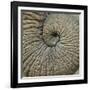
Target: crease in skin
<point>50,43</point>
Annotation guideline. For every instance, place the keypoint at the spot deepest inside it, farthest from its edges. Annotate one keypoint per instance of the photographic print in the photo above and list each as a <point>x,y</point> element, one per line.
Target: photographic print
<point>49,42</point>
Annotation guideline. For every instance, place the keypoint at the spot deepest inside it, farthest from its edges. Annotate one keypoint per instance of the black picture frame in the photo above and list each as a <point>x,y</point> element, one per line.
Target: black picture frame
<point>14,44</point>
